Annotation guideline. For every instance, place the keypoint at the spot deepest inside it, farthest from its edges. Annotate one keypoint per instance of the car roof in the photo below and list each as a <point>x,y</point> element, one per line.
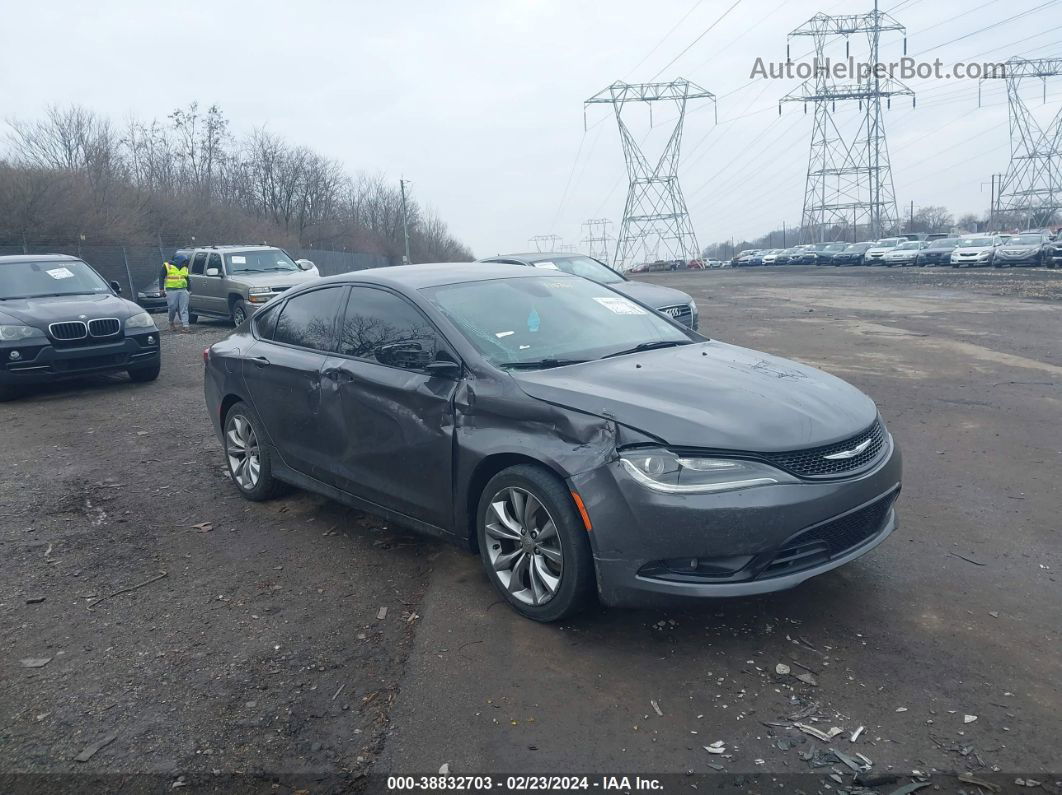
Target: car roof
<point>534,256</point>
<point>229,247</point>
<point>11,258</point>
<point>435,274</point>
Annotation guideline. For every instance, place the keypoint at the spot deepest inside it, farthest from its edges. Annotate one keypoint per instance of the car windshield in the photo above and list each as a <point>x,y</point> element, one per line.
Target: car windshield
<point>37,279</point>
<point>1027,240</point>
<point>835,247</point>
<point>547,321</point>
<point>975,242</point>
<point>909,245</point>
<point>581,266</point>
<point>272,259</point>
<point>889,242</point>
<point>946,242</point>
<point>858,247</point>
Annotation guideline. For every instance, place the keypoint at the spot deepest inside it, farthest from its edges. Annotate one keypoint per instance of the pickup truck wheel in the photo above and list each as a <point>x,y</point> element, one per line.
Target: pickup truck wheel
<point>193,317</point>
<point>239,312</point>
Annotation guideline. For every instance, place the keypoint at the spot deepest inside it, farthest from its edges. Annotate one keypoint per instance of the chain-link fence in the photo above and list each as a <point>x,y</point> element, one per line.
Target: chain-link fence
<point>137,267</point>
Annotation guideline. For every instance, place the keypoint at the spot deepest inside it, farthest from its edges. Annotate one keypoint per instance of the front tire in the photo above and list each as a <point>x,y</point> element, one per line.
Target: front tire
<point>533,544</point>
<point>142,375</point>
<point>249,462</point>
<point>239,312</point>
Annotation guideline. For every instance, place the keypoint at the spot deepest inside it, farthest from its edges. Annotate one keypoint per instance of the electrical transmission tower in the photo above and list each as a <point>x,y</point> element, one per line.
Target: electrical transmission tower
<point>543,243</point>
<point>849,177</point>
<point>597,238</point>
<point>1031,190</point>
<point>656,224</point>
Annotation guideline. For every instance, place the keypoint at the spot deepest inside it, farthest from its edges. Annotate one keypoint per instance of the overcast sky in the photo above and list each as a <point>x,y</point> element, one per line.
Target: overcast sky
<point>480,103</point>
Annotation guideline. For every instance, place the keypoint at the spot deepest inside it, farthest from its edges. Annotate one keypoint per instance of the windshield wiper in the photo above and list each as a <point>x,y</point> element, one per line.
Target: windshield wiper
<point>540,364</point>
<point>42,295</point>
<point>649,346</point>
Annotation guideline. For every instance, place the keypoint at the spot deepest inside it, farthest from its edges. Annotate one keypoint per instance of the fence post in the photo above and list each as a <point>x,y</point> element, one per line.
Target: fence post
<point>129,276</point>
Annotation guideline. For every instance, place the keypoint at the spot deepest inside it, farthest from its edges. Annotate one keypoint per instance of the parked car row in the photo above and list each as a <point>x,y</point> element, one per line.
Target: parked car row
<point>1033,248</point>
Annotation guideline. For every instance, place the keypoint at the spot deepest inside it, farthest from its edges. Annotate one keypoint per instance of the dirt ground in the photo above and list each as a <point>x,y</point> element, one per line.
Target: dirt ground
<point>192,635</point>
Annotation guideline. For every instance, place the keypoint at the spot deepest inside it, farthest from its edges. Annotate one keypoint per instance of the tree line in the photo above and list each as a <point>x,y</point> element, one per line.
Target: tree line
<point>74,174</point>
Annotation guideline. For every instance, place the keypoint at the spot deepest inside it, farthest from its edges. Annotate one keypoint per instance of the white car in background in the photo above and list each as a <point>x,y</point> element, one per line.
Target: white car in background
<point>975,251</point>
<point>771,256</point>
<point>903,254</point>
<point>875,255</point>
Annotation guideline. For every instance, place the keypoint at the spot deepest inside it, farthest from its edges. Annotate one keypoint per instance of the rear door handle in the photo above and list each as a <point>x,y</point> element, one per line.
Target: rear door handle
<point>260,361</point>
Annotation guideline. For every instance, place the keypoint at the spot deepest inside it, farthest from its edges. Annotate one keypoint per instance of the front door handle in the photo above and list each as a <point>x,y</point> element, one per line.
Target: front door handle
<point>260,361</point>
<point>337,375</point>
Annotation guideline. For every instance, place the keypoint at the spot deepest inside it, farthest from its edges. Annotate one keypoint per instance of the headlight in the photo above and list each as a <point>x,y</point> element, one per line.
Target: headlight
<point>20,332</point>
<point>141,320</point>
<point>662,470</point>
<point>259,290</point>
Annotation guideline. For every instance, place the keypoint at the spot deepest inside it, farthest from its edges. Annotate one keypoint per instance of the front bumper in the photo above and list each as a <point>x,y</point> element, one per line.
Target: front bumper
<point>736,543</point>
<point>39,364</point>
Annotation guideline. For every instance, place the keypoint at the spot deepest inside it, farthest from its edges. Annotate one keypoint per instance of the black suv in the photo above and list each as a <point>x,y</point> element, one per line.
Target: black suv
<point>60,319</point>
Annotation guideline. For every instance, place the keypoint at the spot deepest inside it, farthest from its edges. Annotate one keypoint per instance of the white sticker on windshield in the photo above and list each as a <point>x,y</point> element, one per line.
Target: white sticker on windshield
<point>501,334</point>
<point>236,259</point>
<point>549,266</point>
<point>60,273</point>
<point>621,306</point>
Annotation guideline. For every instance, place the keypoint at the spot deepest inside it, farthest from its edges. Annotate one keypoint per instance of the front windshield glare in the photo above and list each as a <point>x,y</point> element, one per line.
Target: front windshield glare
<point>258,261</point>
<point>55,277</point>
<point>975,242</point>
<point>541,318</point>
<point>581,266</point>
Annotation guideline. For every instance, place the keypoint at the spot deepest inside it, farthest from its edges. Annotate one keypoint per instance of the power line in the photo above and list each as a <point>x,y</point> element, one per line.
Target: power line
<point>666,35</point>
<point>704,33</point>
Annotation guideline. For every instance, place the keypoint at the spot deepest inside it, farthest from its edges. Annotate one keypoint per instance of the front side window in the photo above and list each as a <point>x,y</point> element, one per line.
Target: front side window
<point>49,277</point>
<point>534,319</point>
<point>199,263</point>
<point>214,262</point>
<point>308,320</point>
<point>270,260</point>
<point>384,328</point>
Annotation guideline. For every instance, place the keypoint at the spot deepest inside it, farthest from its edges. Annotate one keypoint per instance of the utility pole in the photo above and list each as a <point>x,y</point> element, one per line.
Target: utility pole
<point>910,224</point>
<point>545,243</point>
<point>597,238</point>
<point>1032,187</point>
<point>850,176</point>
<point>783,234</point>
<point>655,219</point>
<point>405,220</point>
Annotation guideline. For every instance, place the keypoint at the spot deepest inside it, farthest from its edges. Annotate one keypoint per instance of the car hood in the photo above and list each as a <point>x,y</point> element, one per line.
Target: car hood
<point>1019,249</point>
<point>653,295</point>
<point>273,279</point>
<point>879,250</point>
<point>40,312</point>
<point>710,395</point>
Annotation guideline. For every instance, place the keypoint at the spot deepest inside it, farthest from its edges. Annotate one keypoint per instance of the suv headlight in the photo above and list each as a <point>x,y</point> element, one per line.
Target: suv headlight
<point>664,471</point>
<point>19,332</point>
<point>259,290</point>
<point>140,320</point>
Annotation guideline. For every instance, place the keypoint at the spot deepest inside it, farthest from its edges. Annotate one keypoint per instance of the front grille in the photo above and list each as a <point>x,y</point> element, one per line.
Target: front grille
<point>70,330</point>
<point>104,327</point>
<point>682,313</point>
<point>830,540</point>
<point>813,463</point>
<point>279,289</point>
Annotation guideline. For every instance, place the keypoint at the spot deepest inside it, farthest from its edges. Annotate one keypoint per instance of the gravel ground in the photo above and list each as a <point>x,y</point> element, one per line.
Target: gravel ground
<point>260,650</point>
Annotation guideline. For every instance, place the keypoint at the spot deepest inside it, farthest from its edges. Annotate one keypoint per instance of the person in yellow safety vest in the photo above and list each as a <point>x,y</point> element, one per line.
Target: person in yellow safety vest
<point>174,280</point>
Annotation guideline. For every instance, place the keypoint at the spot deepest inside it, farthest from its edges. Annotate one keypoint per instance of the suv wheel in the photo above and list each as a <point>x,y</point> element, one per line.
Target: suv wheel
<point>239,312</point>
<point>144,374</point>
<point>193,317</point>
<point>534,545</point>
<point>248,461</point>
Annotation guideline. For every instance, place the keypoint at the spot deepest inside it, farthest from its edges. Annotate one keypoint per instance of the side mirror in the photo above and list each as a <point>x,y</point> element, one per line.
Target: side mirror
<point>305,264</point>
<point>116,287</point>
<point>408,355</point>
<point>444,367</point>
<point>213,272</point>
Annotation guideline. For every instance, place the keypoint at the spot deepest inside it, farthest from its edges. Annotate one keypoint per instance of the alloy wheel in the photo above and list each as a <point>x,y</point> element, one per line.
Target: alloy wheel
<point>241,450</point>
<point>524,546</point>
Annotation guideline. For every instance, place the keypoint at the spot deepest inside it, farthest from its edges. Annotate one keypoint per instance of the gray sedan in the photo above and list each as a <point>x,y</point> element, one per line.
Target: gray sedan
<point>581,443</point>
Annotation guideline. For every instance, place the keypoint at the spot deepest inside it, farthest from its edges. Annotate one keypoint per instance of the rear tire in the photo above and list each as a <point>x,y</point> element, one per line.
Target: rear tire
<point>533,544</point>
<point>142,375</point>
<point>192,318</point>
<point>248,460</point>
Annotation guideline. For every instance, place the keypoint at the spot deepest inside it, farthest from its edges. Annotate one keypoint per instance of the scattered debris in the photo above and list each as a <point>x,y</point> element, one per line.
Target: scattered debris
<point>848,761</point>
<point>444,769</point>
<point>969,718</point>
<point>716,748</point>
<point>156,578</point>
<point>381,614</point>
<point>34,600</point>
<point>782,669</point>
<point>35,662</point>
<point>968,560</point>
<point>91,750</point>
<point>336,694</point>
<point>993,613</point>
<point>856,733</point>
<point>901,709</point>
<point>203,527</point>
<point>970,778</point>
<point>818,733</point>
<point>656,708</point>
<point>808,679</point>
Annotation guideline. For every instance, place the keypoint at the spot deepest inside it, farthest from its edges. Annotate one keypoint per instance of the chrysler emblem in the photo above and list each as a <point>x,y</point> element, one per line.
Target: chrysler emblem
<point>859,448</point>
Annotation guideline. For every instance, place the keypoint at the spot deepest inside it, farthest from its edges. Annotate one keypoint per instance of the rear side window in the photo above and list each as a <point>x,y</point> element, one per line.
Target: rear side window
<point>378,325</point>
<point>308,320</point>
<point>264,322</point>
